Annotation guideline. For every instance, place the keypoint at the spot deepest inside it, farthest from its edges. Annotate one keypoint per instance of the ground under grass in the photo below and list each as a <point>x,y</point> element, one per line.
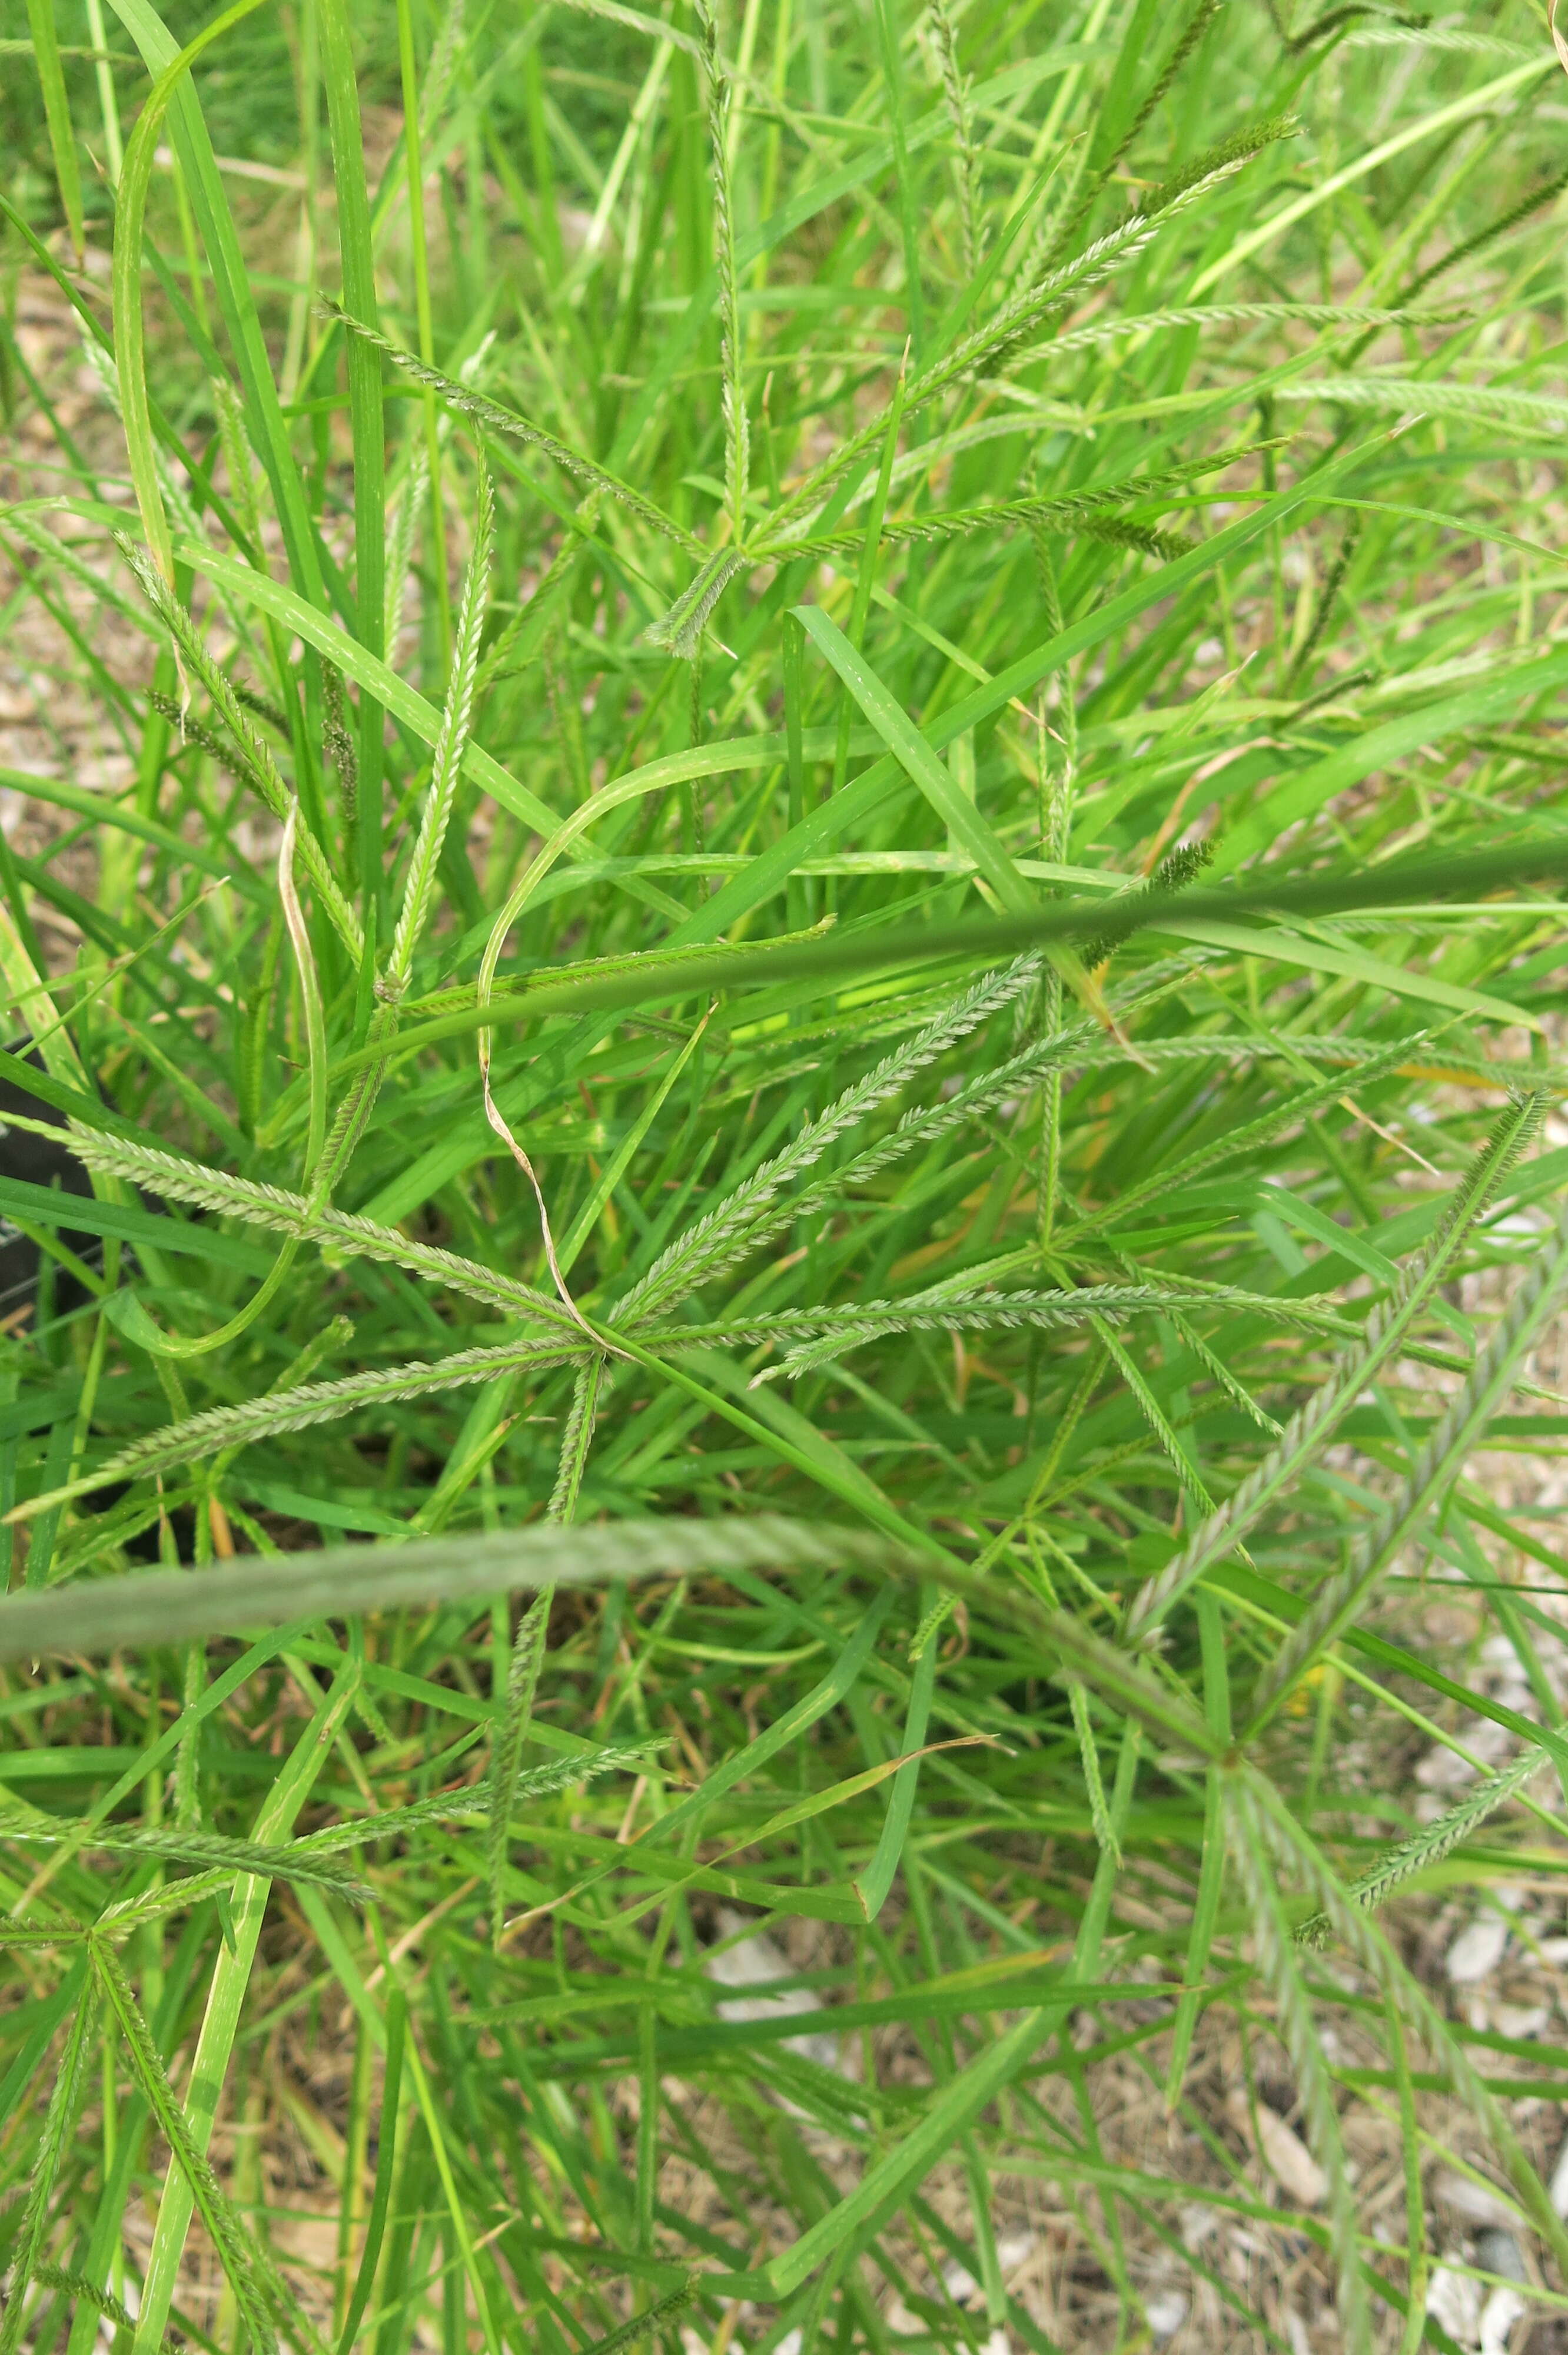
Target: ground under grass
<point>780,911</point>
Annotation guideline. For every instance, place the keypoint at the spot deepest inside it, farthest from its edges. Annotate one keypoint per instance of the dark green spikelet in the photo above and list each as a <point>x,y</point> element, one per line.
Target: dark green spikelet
<point>1192,32</point>
<point>338,739</point>
<point>263,709</point>
<point>1333,585</point>
<point>82,2292</point>
<point>219,749</point>
<point>1183,865</point>
<point>1469,246</point>
<point>1121,531</point>
<point>1334,20</point>
<point>1177,870</point>
<point>1240,147</point>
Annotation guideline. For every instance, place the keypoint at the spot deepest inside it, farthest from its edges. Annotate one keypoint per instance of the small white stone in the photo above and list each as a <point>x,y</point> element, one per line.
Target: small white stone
<point>1443,1770</point>
<point>1521,2020</point>
<point>755,1962</point>
<point>1166,2311</point>
<point>1501,2312</point>
<point>1477,1952</point>
<point>1498,2252</point>
<point>1472,2202</point>
<point>1455,2300</point>
<point>1198,2222</point>
<point>1284,2153</point>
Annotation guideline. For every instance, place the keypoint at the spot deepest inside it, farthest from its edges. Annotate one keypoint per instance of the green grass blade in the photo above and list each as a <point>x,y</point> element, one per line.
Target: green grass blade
<point>1470,1410</point>
<point>154,1607</point>
<point>201,2187</point>
<point>358,262</point>
<point>1312,1430</point>
<point>59,2121</point>
<point>130,343</point>
<point>56,110</point>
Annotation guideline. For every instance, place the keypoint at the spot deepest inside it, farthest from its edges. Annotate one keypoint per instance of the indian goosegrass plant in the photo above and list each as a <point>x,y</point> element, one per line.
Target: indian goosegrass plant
<point>798,1009</point>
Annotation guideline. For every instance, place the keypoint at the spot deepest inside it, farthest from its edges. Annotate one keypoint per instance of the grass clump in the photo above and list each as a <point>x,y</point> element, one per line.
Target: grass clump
<point>798,990</point>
